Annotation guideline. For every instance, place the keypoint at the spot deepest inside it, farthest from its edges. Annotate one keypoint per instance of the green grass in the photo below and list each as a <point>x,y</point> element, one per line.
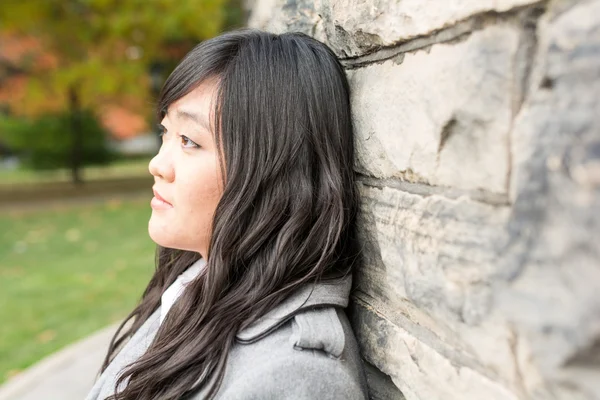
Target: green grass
<point>65,273</point>
<point>116,169</point>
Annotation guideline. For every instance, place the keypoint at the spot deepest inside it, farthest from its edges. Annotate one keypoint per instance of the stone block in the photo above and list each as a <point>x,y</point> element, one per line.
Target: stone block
<point>552,259</point>
<point>430,267</point>
<point>356,27</point>
<point>440,117</point>
<point>419,370</point>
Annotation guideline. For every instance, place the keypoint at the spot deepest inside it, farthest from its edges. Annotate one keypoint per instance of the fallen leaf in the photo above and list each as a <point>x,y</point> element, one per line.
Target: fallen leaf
<point>46,336</point>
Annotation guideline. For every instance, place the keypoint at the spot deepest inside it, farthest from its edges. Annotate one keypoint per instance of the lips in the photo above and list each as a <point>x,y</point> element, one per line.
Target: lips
<point>159,197</point>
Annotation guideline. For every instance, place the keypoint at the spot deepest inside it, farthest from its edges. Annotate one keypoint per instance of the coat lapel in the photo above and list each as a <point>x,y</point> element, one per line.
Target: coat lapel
<point>334,293</point>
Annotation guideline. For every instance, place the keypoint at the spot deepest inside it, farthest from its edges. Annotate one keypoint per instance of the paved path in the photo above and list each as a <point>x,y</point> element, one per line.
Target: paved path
<point>65,375</point>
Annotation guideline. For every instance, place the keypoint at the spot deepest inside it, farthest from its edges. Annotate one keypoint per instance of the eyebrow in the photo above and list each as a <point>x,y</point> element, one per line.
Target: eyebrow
<point>192,116</point>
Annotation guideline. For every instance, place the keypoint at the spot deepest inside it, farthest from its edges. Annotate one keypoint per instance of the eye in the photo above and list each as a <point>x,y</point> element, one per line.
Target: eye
<point>186,142</point>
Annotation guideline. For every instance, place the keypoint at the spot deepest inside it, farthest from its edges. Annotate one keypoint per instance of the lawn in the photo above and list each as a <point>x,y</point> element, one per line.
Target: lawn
<point>65,273</point>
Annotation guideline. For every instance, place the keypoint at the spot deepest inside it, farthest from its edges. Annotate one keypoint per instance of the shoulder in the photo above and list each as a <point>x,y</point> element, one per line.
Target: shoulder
<point>309,375</point>
<point>312,355</point>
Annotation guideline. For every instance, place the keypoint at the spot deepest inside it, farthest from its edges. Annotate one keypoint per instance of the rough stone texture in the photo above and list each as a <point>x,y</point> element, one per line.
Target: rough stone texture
<point>553,257</point>
<point>478,136</point>
<point>407,127</point>
<point>429,268</point>
<point>381,386</point>
<point>287,15</point>
<point>357,27</point>
<point>419,370</point>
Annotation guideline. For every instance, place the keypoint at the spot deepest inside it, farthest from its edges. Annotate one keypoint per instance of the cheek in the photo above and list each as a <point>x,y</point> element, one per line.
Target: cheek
<point>188,225</point>
<point>198,196</point>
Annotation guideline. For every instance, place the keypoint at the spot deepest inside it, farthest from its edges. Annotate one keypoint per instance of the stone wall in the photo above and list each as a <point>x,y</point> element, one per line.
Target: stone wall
<point>478,134</point>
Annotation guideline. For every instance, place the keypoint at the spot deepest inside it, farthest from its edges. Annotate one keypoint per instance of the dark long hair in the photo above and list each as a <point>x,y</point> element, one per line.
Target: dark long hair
<point>287,214</point>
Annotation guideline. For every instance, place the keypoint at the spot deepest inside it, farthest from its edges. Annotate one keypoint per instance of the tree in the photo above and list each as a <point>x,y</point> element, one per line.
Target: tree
<point>103,50</point>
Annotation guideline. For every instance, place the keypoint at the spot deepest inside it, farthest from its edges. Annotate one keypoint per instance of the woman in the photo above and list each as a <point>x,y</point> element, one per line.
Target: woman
<point>254,217</point>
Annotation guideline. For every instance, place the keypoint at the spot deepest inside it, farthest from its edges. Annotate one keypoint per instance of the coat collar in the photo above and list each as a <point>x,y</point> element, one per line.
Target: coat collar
<point>331,293</point>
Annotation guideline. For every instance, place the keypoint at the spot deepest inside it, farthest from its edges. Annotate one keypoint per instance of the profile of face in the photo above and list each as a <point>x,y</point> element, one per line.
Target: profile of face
<point>187,179</point>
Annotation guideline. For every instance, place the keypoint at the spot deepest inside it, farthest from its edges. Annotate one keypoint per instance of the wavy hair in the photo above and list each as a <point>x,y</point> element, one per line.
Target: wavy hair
<point>286,217</point>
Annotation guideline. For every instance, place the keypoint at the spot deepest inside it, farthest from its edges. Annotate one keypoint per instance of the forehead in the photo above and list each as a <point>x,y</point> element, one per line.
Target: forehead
<point>199,101</point>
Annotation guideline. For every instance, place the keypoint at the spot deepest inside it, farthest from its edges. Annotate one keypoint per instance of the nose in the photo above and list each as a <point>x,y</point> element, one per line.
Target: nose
<point>161,166</point>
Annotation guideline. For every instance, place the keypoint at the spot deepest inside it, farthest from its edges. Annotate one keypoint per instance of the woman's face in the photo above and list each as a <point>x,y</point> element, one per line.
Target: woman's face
<point>186,174</point>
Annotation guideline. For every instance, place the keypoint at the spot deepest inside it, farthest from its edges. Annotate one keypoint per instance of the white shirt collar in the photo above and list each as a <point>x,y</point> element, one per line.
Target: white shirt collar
<point>173,292</point>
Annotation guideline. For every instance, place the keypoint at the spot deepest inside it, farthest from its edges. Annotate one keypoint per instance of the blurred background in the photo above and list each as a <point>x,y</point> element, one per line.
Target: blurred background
<point>78,84</point>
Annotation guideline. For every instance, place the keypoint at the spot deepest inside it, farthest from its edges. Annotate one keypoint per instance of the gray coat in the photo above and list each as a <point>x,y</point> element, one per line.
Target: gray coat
<point>302,349</point>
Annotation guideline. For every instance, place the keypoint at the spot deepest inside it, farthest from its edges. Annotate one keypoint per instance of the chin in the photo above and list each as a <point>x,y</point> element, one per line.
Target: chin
<point>159,234</point>
<point>162,236</point>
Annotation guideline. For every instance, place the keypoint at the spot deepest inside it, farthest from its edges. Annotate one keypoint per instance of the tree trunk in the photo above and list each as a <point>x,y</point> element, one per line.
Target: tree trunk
<point>76,136</point>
